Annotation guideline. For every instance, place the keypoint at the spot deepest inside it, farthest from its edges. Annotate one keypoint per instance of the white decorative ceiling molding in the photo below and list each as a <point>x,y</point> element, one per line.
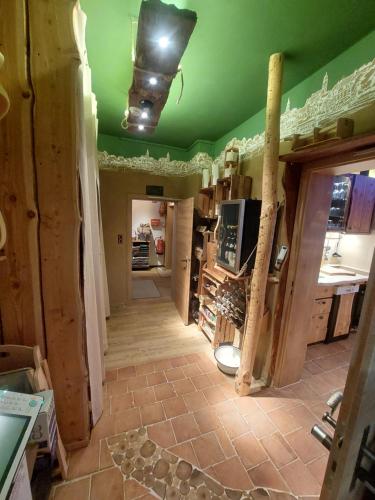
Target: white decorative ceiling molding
<point>162,166</point>
<point>351,94</point>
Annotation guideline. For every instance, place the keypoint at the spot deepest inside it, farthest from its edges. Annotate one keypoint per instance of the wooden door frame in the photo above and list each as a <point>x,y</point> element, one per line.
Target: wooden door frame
<point>357,408</point>
<point>128,237</point>
<point>313,167</point>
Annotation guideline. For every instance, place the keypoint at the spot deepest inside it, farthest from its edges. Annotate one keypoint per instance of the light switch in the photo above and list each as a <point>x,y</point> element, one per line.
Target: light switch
<point>119,239</point>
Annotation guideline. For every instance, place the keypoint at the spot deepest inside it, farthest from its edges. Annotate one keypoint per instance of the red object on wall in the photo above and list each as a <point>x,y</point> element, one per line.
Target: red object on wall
<point>159,246</point>
<point>155,223</point>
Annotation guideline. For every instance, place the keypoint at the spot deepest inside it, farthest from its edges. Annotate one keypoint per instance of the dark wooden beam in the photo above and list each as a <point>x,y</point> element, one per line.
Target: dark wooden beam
<point>156,20</point>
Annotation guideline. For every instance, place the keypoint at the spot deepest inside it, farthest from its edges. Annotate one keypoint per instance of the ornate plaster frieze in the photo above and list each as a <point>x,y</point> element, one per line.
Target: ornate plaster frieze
<point>349,95</point>
<point>163,166</point>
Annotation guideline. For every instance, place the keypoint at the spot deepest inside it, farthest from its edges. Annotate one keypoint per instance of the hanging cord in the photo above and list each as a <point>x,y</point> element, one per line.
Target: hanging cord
<point>124,121</point>
<point>133,31</point>
<point>244,266</point>
<point>182,84</point>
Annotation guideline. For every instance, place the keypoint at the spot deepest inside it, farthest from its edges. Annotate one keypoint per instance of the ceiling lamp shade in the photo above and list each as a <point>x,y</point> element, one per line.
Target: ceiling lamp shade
<point>163,34</point>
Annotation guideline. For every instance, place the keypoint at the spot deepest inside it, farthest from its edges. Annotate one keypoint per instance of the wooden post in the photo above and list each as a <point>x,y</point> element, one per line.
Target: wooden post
<point>20,290</point>
<point>54,64</point>
<point>267,226</point>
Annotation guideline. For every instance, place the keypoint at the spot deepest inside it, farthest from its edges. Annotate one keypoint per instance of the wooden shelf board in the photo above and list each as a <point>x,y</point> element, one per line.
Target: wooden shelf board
<point>206,317</point>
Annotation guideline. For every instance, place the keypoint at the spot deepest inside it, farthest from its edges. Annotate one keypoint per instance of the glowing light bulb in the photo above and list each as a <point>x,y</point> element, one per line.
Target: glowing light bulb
<point>153,80</point>
<point>163,42</point>
<point>141,127</point>
<point>144,115</point>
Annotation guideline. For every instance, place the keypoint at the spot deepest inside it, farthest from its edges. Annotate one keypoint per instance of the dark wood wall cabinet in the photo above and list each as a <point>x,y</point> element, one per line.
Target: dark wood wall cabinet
<point>352,206</point>
<point>361,204</point>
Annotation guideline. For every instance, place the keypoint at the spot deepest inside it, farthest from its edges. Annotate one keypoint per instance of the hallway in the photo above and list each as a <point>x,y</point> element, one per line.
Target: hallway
<point>151,329</point>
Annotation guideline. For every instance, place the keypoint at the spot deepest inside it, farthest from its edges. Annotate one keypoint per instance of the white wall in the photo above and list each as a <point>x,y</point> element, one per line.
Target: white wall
<point>142,212</point>
<point>356,250</point>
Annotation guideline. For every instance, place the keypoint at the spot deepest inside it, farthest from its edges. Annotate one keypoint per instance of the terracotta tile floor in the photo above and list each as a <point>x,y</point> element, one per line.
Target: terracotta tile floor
<point>190,408</point>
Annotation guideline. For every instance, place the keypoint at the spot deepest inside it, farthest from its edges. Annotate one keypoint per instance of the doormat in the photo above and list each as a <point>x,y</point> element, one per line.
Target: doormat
<point>144,289</point>
<point>169,477</point>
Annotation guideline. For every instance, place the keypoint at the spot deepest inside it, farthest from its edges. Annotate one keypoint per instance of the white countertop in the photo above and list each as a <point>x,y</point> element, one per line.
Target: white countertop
<point>340,279</point>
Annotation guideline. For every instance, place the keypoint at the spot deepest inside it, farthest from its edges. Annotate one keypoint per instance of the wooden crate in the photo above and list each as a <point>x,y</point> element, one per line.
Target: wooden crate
<point>211,255</point>
<point>225,331</point>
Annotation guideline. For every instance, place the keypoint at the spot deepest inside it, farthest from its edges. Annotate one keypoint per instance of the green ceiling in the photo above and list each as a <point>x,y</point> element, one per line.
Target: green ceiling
<point>225,63</point>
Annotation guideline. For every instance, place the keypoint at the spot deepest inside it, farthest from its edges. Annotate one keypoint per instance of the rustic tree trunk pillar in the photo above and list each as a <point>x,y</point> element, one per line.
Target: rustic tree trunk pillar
<point>58,91</point>
<point>20,292</point>
<point>267,226</point>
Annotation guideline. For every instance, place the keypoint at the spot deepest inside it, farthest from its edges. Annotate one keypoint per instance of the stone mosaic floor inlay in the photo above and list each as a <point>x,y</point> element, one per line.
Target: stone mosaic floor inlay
<point>258,446</point>
<point>169,477</point>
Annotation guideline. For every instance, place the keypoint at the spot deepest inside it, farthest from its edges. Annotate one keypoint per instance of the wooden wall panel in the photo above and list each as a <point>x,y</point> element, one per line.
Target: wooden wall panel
<point>20,294</point>
<point>58,101</point>
<point>304,262</point>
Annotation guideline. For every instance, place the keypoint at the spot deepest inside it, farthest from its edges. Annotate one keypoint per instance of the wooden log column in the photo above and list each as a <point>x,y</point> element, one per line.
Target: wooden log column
<point>267,226</point>
<point>54,59</point>
<point>20,290</point>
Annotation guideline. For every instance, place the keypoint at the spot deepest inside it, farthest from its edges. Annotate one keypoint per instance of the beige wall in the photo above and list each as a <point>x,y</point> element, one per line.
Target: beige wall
<point>115,187</point>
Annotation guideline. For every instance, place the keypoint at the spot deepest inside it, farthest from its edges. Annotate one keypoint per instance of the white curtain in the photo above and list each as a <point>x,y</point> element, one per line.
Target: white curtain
<point>94,288</point>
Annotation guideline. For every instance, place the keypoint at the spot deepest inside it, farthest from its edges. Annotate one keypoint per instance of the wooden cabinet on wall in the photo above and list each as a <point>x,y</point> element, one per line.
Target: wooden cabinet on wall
<point>352,205</point>
<point>362,202</point>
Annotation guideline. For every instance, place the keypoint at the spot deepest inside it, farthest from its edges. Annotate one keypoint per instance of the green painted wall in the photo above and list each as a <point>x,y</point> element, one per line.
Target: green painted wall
<point>357,55</point>
<point>360,53</point>
<point>121,146</point>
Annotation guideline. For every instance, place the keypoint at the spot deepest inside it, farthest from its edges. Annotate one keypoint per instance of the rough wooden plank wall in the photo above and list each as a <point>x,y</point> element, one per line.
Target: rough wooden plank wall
<point>20,294</point>
<point>58,92</point>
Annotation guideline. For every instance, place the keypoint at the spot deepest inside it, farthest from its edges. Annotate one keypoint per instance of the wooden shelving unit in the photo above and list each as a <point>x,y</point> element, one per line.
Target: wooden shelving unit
<point>214,325</point>
<point>229,188</point>
<point>140,255</point>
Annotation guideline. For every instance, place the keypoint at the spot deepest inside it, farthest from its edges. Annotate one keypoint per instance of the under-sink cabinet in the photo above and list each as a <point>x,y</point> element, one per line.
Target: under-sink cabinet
<point>331,314</point>
<point>320,315</point>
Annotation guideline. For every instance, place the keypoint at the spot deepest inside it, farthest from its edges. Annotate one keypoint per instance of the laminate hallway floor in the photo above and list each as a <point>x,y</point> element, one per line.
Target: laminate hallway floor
<point>148,330</point>
<point>184,407</point>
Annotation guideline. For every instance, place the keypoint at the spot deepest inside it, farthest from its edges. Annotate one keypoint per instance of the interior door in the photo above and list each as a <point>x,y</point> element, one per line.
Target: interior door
<point>183,238</point>
<point>356,420</point>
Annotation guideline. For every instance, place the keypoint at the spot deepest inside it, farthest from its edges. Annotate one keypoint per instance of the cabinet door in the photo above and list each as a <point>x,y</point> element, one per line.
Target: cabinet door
<point>368,205</point>
<point>318,328</point>
<point>344,315</point>
<point>182,256</point>
<point>361,205</point>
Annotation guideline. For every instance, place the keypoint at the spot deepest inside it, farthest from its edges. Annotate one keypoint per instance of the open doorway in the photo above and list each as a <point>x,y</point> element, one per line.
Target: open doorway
<point>151,327</point>
<point>330,258</point>
<point>151,263</point>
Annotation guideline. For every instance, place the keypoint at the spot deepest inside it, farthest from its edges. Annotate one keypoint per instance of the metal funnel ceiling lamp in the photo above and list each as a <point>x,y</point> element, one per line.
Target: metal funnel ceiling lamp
<point>163,34</point>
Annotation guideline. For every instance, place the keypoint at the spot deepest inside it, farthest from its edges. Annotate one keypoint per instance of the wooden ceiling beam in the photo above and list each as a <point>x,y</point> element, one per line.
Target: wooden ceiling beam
<point>157,20</point>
